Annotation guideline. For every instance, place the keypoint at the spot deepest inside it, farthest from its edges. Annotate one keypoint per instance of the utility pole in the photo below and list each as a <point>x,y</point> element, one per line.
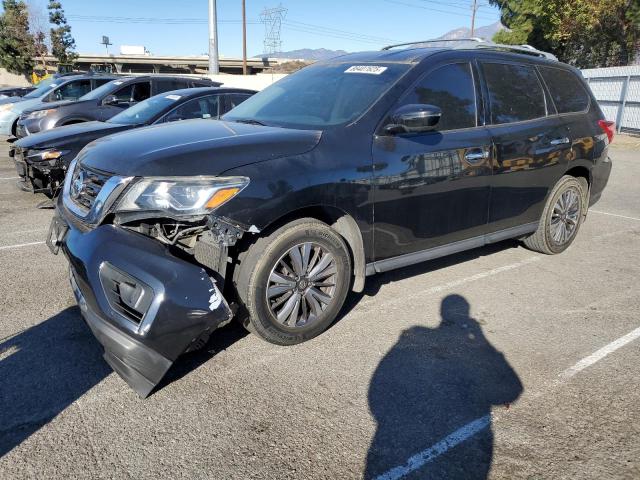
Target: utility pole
<point>244,38</point>
<point>474,9</point>
<point>214,62</point>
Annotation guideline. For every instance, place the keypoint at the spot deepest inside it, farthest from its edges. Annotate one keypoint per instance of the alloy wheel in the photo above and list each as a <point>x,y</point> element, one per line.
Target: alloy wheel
<point>565,216</point>
<point>302,285</point>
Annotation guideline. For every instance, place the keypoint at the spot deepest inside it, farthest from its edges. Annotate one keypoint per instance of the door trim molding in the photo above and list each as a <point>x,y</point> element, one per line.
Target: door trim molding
<point>449,249</point>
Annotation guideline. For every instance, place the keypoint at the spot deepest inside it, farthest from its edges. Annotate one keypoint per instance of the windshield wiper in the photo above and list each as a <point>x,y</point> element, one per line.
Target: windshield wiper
<point>250,121</point>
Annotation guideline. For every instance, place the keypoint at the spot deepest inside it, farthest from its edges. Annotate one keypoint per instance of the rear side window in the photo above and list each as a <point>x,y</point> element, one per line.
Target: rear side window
<point>235,99</point>
<point>204,107</point>
<point>566,89</point>
<point>515,93</point>
<point>73,90</point>
<point>168,85</point>
<point>141,91</point>
<point>451,88</point>
<point>98,82</point>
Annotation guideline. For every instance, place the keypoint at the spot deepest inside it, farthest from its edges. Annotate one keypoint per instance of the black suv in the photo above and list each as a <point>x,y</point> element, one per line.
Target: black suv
<point>104,102</point>
<point>42,159</point>
<point>353,166</point>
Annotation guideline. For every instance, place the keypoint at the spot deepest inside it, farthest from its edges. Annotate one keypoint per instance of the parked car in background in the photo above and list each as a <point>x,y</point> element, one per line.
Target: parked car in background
<point>349,167</point>
<point>48,92</point>
<point>6,92</point>
<point>42,159</point>
<point>103,103</point>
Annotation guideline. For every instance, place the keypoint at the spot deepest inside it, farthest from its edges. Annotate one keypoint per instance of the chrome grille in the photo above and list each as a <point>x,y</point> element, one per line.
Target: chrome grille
<point>85,186</point>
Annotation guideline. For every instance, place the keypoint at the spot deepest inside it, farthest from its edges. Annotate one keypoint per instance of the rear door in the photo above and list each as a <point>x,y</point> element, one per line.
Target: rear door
<point>432,188</point>
<point>573,103</point>
<point>530,144</point>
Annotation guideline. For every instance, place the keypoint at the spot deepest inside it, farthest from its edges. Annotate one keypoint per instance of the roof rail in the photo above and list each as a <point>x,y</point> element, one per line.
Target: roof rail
<point>475,43</point>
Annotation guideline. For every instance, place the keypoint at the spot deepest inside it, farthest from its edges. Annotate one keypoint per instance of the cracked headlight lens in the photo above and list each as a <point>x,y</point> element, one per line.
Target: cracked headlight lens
<point>181,196</point>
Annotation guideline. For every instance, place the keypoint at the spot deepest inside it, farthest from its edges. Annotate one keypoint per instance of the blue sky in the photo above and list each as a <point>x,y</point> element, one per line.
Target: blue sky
<point>332,24</point>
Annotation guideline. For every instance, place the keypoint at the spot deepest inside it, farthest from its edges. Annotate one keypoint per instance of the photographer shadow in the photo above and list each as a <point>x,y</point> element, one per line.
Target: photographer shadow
<point>43,370</point>
<point>432,396</point>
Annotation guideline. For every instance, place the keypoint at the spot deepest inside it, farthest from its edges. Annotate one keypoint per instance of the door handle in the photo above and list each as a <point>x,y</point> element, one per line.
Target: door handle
<point>560,141</point>
<point>476,155</point>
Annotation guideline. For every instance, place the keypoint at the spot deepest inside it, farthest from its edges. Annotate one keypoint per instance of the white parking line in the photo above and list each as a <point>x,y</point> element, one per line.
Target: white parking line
<point>614,215</point>
<point>20,245</point>
<point>9,178</point>
<point>424,457</point>
<point>420,459</point>
<point>600,354</point>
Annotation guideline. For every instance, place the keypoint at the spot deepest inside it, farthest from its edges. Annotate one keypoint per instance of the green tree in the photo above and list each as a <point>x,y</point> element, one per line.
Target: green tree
<point>62,43</point>
<point>16,43</point>
<point>584,33</point>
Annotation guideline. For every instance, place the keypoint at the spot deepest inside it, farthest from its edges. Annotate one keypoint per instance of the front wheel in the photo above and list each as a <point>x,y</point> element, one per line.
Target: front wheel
<point>563,214</point>
<point>293,282</point>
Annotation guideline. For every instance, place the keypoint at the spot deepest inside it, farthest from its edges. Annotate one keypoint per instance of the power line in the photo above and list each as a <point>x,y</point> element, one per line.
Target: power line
<point>288,24</point>
<point>148,20</point>
<point>436,10</point>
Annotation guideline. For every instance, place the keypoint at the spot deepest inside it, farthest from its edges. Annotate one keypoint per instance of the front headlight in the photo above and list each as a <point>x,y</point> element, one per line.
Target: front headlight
<point>52,154</point>
<point>38,114</point>
<point>181,196</point>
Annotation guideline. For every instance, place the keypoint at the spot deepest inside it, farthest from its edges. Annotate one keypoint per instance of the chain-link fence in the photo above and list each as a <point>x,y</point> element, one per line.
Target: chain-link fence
<point>617,90</point>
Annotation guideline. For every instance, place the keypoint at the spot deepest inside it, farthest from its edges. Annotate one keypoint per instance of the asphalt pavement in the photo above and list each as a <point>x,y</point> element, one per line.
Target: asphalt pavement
<point>496,363</point>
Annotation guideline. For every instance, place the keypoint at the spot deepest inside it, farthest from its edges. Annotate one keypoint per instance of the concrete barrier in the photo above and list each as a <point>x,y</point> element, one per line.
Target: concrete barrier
<point>253,82</point>
<point>12,80</point>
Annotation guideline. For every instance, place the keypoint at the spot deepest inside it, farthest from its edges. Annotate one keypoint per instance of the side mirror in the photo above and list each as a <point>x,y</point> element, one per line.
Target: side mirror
<point>110,100</point>
<point>414,118</point>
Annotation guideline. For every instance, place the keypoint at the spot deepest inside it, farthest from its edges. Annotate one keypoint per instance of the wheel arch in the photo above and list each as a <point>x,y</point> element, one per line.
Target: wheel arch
<point>341,222</point>
<point>580,171</point>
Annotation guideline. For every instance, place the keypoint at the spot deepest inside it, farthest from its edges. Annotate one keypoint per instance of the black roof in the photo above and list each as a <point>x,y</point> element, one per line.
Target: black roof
<point>419,53</point>
<point>199,91</point>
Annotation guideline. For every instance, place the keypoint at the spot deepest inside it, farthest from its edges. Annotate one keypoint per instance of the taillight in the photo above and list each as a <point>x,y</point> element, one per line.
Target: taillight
<point>608,127</point>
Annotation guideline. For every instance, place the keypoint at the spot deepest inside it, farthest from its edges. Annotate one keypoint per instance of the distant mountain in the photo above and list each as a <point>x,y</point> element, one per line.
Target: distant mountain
<point>312,54</point>
<point>486,32</point>
<point>315,54</point>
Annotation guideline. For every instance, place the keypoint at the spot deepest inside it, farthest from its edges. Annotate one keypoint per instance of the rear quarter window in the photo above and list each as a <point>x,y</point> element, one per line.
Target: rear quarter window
<point>566,89</point>
<point>515,93</point>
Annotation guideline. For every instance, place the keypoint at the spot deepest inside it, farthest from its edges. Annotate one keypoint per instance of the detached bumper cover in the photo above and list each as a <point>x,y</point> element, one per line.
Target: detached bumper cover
<point>186,303</point>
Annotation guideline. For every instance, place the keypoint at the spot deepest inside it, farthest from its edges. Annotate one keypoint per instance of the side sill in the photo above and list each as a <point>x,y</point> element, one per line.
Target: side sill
<point>449,249</point>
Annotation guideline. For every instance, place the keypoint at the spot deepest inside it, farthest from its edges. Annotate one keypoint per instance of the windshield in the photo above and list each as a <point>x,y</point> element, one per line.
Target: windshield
<point>319,96</point>
<point>43,87</point>
<point>146,110</point>
<point>102,90</point>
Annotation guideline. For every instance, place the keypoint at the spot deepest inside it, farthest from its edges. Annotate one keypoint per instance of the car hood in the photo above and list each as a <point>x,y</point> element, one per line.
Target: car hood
<point>50,105</point>
<point>194,147</point>
<point>22,104</point>
<point>57,137</point>
<point>10,100</point>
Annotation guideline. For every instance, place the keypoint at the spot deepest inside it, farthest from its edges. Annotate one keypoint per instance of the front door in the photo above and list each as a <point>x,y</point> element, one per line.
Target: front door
<point>432,188</point>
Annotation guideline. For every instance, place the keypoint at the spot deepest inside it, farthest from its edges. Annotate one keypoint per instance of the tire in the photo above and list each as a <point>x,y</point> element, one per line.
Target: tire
<point>554,233</point>
<point>261,263</point>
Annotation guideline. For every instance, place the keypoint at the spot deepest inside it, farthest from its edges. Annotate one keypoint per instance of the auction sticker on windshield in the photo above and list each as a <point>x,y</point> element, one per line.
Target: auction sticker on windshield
<point>370,69</point>
<point>173,97</point>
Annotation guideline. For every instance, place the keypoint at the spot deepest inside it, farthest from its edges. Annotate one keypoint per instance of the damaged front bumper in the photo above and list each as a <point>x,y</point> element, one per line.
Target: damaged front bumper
<point>143,304</point>
<point>42,176</point>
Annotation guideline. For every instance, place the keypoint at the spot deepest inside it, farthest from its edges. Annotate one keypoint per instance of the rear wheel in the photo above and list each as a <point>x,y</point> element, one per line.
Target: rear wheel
<point>293,282</point>
<point>563,214</point>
